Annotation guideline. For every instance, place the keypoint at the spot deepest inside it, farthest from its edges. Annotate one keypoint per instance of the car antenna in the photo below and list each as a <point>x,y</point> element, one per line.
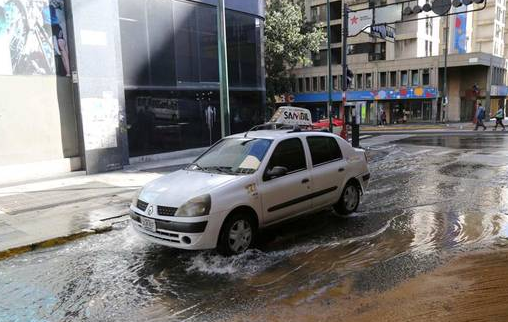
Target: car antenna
<point>256,127</point>
<point>251,129</point>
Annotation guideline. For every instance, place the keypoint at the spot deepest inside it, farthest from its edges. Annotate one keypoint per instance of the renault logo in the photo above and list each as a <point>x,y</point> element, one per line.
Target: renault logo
<point>150,210</point>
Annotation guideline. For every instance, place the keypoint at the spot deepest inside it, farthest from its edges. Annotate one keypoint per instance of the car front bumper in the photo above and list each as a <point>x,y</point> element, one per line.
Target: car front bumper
<point>174,232</point>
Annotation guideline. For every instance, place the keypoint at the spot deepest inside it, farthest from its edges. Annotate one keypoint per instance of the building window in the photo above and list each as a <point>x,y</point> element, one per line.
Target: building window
<point>320,58</point>
<point>318,13</point>
<point>359,81</point>
<point>499,31</point>
<point>376,3</point>
<point>300,85</point>
<point>426,77</point>
<point>403,78</point>
<point>428,26</point>
<point>307,84</point>
<point>368,80</point>
<point>428,48</point>
<point>315,87</point>
<point>393,79</point>
<point>379,52</point>
<point>415,77</point>
<point>323,83</point>
<point>335,82</point>
<point>382,79</point>
<point>361,48</point>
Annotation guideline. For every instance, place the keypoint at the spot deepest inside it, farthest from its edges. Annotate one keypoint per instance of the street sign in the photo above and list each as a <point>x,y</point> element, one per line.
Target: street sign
<point>388,14</point>
<point>358,21</point>
<point>382,31</point>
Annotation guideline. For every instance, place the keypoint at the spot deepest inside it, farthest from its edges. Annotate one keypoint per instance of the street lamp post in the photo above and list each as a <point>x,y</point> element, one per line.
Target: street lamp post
<point>330,81</point>
<point>223,69</point>
<point>345,17</point>
<point>444,99</point>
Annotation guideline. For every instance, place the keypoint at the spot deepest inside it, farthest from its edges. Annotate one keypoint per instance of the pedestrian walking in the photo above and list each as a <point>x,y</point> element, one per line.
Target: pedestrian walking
<point>383,117</point>
<point>499,118</point>
<point>480,115</point>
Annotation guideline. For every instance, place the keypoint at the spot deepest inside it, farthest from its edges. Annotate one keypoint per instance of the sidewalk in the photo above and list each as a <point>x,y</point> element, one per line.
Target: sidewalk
<point>427,128</point>
<point>52,211</point>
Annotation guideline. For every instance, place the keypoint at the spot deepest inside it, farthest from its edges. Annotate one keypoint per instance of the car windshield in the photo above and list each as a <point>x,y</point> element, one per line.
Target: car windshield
<point>233,156</point>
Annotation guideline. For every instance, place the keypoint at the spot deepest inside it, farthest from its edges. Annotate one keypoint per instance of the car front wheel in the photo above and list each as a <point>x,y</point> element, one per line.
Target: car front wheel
<point>349,200</point>
<point>237,235</point>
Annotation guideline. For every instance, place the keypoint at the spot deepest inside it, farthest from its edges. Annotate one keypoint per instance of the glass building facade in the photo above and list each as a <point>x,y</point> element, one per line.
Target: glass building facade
<point>171,76</point>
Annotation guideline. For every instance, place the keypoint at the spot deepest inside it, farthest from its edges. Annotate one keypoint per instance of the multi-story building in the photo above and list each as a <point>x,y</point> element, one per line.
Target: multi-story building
<point>405,77</point>
<point>97,84</point>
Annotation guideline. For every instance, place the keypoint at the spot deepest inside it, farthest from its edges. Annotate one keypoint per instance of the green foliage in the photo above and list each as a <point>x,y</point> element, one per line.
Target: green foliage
<point>289,39</point>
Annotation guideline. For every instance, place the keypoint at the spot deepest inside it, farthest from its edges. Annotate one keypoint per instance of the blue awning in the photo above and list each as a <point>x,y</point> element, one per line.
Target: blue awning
<point>375,95</point>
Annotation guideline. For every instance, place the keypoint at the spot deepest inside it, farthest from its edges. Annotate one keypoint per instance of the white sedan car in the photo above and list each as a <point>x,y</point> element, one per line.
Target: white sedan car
<point>246,182</point>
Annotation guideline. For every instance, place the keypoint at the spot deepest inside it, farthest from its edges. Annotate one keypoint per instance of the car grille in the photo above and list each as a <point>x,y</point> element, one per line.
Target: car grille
<point>142,205</point>
<point>166,211</point>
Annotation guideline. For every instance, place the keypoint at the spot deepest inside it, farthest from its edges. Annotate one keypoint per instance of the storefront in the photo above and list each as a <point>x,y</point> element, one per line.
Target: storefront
<point>411,104</point>
<point>171,72</point>
<point>406,111</point>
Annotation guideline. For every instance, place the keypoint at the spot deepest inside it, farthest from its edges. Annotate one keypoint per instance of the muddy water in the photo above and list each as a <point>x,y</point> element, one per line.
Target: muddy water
<point>428,197</point>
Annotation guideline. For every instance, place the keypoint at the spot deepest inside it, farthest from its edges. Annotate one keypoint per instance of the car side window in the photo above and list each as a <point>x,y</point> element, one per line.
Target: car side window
<point>323,149</point>
<point>290,154</point>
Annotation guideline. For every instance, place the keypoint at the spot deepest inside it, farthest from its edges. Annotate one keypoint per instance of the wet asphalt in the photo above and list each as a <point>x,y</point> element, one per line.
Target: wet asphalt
<point>430,198</point>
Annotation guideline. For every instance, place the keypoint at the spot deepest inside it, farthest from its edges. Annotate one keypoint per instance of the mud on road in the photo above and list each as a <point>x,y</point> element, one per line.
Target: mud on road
<point>468,288</point>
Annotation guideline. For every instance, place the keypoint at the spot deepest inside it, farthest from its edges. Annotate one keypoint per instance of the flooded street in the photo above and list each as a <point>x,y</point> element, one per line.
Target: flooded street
<point>430,200</point>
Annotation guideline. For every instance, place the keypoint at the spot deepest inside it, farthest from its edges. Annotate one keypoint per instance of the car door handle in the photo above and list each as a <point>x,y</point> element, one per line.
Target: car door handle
<point>341,169</point>
<point>305,180</point>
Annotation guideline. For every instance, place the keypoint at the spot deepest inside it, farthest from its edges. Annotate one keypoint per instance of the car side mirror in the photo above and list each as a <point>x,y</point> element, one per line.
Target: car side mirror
<point>276,172</point>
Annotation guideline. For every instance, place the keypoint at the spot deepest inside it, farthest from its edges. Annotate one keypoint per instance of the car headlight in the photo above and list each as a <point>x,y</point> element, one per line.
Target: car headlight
<point>135,198</point>
<point>199,206</point>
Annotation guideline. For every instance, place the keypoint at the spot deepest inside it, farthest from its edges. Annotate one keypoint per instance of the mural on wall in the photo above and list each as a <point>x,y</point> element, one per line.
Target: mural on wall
<point>417,92</point>
<point>33,38</point>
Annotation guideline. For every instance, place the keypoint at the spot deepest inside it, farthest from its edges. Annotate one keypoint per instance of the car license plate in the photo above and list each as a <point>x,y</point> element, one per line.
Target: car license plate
<point>148,224</point>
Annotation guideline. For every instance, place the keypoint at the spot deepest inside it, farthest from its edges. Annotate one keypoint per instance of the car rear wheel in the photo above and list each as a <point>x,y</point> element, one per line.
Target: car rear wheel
<point>237,235</point>
<point>349,200</point>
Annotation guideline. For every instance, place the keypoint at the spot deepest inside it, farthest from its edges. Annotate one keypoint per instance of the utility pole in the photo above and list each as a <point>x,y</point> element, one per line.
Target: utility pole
<point>345,18</point>
<point>223,69</point>
<point>444,99</point>
<point>330,80</point>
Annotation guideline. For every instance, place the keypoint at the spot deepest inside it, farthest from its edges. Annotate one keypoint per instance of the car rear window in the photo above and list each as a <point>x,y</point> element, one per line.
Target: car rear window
<point>323,149</point>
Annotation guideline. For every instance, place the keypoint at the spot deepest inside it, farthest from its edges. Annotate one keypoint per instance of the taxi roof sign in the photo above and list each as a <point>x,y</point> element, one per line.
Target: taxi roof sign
<point>291,115</point>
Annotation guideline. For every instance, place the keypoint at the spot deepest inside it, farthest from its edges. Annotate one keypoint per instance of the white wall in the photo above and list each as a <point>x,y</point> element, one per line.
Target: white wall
<point>37,119</point>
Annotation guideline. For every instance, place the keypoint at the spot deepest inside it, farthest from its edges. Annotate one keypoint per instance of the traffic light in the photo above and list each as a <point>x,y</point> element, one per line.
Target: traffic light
<point>349,78</point>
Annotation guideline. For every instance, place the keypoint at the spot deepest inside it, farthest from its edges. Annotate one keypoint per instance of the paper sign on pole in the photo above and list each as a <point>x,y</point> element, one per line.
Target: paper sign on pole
<point>358,21</point>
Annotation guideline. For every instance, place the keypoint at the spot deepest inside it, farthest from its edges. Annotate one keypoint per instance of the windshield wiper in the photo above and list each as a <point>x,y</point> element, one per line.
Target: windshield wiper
<point>226,170</point>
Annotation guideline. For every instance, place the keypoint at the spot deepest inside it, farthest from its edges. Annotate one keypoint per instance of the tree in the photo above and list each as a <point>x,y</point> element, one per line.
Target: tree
<point>289,39</point>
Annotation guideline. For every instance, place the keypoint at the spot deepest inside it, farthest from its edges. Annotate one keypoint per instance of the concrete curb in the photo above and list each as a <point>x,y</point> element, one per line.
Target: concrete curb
<point>98,228</point>
<point>44,244</point>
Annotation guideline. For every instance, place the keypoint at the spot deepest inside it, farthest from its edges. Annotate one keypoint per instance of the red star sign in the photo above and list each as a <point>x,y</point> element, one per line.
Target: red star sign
<point>354,20</point>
